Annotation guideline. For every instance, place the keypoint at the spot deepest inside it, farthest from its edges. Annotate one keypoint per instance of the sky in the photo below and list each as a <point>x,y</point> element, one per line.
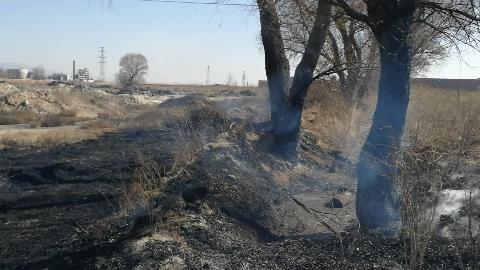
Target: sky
<point>179,40</point>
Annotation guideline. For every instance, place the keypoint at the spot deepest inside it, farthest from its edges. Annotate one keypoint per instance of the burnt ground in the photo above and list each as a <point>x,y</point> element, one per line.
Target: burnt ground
<point>53,198</point>
<point>231,208</point>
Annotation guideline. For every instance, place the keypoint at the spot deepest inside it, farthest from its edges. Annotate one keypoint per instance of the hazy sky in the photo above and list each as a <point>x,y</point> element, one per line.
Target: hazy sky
<point>179,40</point>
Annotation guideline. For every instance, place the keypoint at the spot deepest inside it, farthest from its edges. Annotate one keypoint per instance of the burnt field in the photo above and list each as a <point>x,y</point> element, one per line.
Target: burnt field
<point>186,183</point>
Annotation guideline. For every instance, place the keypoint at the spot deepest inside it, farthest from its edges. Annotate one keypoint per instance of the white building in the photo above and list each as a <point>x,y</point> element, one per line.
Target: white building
<point>83,75</point>
<point>17,73</point>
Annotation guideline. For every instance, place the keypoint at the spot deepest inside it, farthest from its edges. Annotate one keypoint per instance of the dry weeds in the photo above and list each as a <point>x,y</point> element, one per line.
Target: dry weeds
<point>425,169</point>
<point>18,117</point>
<point>148,183</point>
<point>443,114</point>
<point>432,113</point>
<point>45,137</point>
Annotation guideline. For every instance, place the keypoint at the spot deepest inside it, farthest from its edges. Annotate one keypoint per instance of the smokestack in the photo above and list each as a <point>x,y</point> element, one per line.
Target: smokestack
<point>73,73</point>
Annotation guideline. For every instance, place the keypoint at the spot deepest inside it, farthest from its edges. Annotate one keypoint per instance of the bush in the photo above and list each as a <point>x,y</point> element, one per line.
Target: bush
<point>424,171</point>
<point>148,183</point>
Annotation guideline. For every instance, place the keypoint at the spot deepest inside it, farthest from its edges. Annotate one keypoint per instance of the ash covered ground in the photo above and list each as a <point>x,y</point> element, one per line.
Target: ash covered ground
<point>224,202</point>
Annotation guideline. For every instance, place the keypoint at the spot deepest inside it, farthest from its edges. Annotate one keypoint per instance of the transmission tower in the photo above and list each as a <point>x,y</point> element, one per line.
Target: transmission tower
<point>244,79</point>
<point>102,63</point>
<point>207,82</point>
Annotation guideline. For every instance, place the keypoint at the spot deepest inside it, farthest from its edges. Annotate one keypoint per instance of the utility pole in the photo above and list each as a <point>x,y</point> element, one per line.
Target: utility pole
<point>207,82</point>
<point>244,79</point>
<point>102,62</point>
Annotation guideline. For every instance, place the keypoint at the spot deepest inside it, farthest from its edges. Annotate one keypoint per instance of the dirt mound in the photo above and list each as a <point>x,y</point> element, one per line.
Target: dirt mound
<point>56,100</point>
<point>41,102</point>
<point>7,88</point>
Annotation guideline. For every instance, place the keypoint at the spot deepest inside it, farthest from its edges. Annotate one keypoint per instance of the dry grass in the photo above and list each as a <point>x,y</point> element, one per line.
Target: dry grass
<point>44,137</point>
<point>443,144</point>
<point>442,114</point>
<point>424,170</point>
<point>148,183</point>
<point>433,113</point>
<point>198,126</point>
<point>192,129</point>
<point>341,125</point>
<point>18,117</point>
<point>64,118</point>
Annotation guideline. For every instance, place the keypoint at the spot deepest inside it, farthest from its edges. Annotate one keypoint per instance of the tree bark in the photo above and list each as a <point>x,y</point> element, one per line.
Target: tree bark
<point>376,204</point>
<point>277,66</point>
<point>286,119</point>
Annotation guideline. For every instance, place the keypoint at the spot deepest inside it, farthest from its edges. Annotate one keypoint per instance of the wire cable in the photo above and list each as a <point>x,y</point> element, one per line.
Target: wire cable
<point>202,3</point>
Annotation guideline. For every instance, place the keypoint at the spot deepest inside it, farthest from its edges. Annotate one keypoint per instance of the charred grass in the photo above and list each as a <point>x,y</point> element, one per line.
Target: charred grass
<point>192,128</point>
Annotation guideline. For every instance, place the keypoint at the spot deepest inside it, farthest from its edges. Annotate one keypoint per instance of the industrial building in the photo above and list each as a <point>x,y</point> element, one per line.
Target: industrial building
<point>61,77</point>
<point>83,75</point>
<point>17,73</point>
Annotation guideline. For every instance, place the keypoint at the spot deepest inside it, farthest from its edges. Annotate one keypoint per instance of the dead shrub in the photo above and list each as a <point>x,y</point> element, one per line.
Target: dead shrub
<point>419,181</point>
<point>148,183</point>
<point>424,170</point>
<point>192,131</point>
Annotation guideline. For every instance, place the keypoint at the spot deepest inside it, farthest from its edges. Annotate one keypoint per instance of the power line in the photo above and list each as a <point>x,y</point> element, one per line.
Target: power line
<point>102,62</point>
<point>201,3</point>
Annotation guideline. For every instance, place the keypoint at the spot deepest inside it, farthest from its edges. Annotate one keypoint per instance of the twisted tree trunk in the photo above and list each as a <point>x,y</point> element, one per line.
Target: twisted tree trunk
<point>277,66</point>
<point>287,106</point>
<point>377,205</point>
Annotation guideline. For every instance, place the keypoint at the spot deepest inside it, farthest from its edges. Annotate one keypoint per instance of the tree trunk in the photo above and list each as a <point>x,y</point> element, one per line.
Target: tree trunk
<point>377,205</point>
<point>276,63</point>
<point>286,130</point>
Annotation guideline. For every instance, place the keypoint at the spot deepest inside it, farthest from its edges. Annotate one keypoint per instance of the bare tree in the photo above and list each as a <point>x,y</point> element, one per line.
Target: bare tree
<point>392,22</point>
<point>133,68</point>
<point>351,48</point>
<point>38,73</point>
<point>287,96</point>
